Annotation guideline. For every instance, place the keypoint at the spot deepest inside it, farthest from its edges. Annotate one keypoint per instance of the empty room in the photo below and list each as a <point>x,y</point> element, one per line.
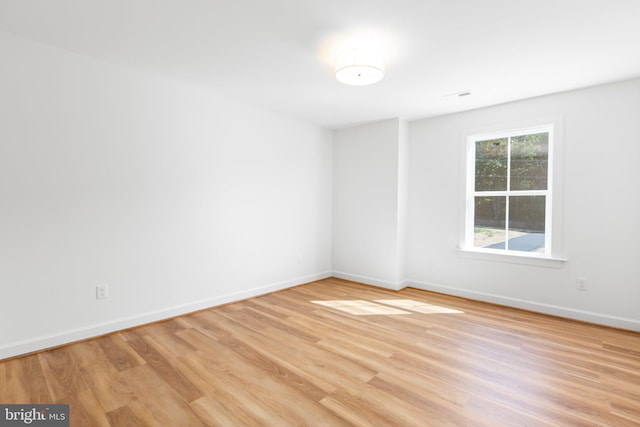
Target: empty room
<point>319,213</point>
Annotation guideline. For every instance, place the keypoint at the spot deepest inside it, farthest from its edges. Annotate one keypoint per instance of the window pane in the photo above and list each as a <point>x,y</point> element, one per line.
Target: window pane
<point>529,161</point>
<point>526,223</point>
<point>491,164</point>
<point>489,222</point>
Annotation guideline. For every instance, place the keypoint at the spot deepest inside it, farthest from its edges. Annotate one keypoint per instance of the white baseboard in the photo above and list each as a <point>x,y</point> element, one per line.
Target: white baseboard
<point>570,313</point>
<point>370,281</point>
<point>69,336</point>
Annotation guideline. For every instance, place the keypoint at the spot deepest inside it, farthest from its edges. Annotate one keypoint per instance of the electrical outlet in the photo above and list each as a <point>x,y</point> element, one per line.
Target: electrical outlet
<point>581,284</point>
<point>102,291</point>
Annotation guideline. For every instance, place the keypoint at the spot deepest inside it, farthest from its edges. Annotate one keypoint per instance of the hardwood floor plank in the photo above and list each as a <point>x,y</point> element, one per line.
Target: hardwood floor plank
<point>157,402</point>
<point>171,344</point>
<point>118,352</point>
<point>276,322</point>
<point>219,413</point>
<point>24,382</point>
<point>627,410</point>
<point>270,367</point>
<point>376,407</point>
<point>84,410</point>
<point>489,411</point>
<point>248,362</point>
<point>269,309</point>
<point>107,385</point>
<point>496,385</point>
<point>361,417</point>
<point>62,375</point>
<point>419,397</point>
<point>235,394</point>
<point>316,362</point>
<point>204,321</point>
<point>124,417</point>
<point>162,367</point>
<point>170,326</point>
<point>86,353</point>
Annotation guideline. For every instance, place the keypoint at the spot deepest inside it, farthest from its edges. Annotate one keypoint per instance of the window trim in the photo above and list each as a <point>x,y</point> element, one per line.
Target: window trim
<point>553,209</point>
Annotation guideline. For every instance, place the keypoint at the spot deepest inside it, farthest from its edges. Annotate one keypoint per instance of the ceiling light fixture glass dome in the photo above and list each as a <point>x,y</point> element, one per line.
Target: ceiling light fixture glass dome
<point>360,67</point>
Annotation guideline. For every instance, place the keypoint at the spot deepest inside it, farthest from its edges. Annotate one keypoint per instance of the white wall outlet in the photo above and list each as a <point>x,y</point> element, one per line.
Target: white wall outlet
<point>581,284</point>
<point>102,291</point>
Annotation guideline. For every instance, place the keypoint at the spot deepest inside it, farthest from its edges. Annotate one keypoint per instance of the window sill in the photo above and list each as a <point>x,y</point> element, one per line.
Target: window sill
<point>538,261</point>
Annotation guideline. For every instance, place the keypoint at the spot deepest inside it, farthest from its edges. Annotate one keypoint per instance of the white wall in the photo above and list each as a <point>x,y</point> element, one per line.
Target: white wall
<point>179,200</point>
<point>601,205</point>
<point>176,198</point>
<point>369,198</point>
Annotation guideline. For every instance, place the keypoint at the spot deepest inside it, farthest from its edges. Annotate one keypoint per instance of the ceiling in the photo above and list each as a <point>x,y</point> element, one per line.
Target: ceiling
<point>278,53</point>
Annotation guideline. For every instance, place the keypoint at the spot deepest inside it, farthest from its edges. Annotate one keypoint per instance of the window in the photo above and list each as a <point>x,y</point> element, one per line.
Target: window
<point>509,183</point>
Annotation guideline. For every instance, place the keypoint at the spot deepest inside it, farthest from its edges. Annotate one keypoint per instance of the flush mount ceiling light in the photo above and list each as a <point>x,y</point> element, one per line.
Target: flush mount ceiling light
<point>360,67</point>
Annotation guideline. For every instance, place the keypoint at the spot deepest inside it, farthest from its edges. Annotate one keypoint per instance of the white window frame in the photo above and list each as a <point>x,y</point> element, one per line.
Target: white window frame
<point>552,257</point>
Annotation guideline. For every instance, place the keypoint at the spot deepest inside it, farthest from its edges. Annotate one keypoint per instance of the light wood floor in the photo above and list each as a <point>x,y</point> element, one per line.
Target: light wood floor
<point>281,360</point>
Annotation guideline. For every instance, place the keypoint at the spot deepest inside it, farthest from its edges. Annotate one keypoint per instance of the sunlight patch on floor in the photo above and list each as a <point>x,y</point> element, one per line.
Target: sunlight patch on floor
<point>385,307</point>
<point>420,307</point>
<point>360,307</point>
